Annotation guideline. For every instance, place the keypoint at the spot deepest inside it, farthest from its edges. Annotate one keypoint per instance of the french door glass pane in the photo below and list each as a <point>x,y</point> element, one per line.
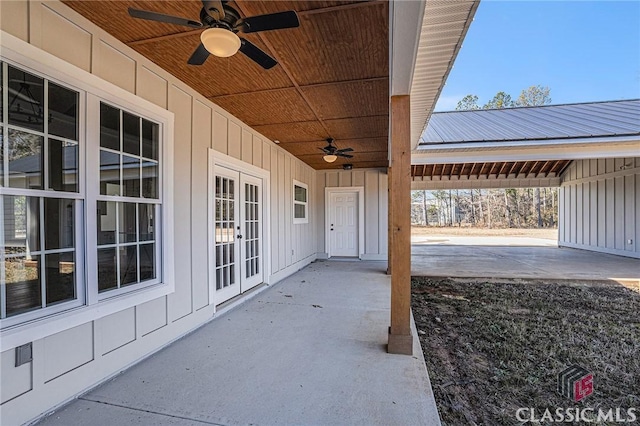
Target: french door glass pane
<point>1,149</point>
<point>225,232</point>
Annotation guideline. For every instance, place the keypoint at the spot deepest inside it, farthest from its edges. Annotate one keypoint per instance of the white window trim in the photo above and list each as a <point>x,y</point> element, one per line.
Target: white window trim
<point>305,219</point>
<point>34,60</point>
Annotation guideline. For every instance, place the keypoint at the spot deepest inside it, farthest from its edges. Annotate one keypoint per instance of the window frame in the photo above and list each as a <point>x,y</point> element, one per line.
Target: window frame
<point>305,219</point>
<point>94,196</point>
<point>40,323</point>
<point>45,193</point>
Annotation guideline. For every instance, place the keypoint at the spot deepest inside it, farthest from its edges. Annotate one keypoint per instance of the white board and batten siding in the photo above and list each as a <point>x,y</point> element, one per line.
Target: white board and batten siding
<point>72,360</point>
<point>375,184</point>
<point>600,206</point>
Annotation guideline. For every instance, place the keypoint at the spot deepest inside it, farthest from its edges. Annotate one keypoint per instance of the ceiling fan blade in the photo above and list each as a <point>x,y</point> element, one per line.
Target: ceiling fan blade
<point>161,17</point>
<point>215,7</point>
<point>199,55</point>
<point>346,150</point>
<point>272,21</point>
<point>256,54</point>
<point>340,154</point>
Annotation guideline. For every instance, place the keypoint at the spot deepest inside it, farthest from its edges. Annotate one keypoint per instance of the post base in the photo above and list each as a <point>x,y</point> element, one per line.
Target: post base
<point>401,344</point>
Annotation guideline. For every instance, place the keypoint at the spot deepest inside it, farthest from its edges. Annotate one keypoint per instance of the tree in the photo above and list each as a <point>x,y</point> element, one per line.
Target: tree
<point>499,101</point>
<point>534,96</point>
<point>469,102</point>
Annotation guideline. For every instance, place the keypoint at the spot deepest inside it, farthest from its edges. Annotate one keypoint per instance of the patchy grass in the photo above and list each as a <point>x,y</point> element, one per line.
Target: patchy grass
<point>430,231</point>
<point>492,347</point>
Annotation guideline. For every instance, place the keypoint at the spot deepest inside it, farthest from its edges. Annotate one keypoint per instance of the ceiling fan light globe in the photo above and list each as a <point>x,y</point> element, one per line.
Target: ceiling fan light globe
<point>330,158</point>
<point>220,42</point>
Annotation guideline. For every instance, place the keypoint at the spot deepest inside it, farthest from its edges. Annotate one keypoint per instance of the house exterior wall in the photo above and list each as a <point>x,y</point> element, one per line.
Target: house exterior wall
<point>375,184</point>
<point>75,359</point>
<point>599,206</point>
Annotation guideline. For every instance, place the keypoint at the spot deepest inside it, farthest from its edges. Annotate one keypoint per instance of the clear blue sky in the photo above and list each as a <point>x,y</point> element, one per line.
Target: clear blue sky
<point>582,50</point>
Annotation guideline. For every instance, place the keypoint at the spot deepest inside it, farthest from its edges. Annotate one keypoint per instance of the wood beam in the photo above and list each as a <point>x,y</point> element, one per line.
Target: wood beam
<point>473,166</point>
<point>513,166</point>
<point>493,165</point>
<point>400,338</point>
<point>481,169</point>
<point>544,166</point>
<point>502,168</point>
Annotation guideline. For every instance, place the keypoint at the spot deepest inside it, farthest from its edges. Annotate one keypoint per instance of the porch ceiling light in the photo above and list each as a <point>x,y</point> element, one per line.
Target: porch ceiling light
<point>220,42</point>
<point>330,158</point>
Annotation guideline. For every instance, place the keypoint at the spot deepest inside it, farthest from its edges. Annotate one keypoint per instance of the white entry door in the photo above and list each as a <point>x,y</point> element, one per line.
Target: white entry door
<point>238,233</point>
<point>343,224</point>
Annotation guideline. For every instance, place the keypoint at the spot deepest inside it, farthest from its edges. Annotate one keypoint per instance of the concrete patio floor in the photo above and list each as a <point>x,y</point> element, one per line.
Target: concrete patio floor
<point>310,350</point>
<point>503,257</point>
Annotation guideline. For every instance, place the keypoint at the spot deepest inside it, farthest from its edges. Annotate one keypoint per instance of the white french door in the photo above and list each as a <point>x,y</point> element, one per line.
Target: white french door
<point>237,233</point>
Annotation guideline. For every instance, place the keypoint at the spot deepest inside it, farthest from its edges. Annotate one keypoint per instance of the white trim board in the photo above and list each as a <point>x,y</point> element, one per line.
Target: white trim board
<point>361,206</point>
<point>514,151</point>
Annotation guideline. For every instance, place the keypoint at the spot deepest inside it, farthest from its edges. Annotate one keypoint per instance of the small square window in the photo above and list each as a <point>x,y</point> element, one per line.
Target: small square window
<point>300,203</point>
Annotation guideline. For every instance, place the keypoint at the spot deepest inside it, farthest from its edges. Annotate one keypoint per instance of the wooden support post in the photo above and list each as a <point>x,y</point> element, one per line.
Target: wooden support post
<point>389,229</point>
<point>400,339</point>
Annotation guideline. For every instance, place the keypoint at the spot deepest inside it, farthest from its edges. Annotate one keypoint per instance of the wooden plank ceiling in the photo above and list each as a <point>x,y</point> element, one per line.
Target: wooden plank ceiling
<point>332,79</point>
<point>489,170</point>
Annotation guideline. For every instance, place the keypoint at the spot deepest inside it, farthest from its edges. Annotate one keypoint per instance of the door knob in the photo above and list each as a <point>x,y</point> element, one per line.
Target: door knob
<point>239,237</point>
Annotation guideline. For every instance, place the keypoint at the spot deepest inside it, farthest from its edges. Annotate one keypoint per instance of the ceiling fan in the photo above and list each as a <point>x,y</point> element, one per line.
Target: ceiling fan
<point>331,152</point>
<point>222,23</point>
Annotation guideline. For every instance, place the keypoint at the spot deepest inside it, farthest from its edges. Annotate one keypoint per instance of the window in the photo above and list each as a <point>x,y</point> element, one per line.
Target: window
<point>40,201</point>
<point>127,200</point>
<point>300,203</point>
<point>86,218</point>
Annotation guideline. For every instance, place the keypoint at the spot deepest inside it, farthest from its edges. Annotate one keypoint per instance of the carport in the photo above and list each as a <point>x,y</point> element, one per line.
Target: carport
<point>588,150</point>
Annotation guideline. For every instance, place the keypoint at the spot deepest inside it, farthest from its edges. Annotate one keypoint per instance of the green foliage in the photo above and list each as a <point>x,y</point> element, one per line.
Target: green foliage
<point>469,102</point>
<point>534,96</point>
<point>499,101</point>
<point>531,96</point>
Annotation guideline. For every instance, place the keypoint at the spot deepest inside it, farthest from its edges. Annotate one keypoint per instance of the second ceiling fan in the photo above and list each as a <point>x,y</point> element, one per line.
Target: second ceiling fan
<point>223,23</point>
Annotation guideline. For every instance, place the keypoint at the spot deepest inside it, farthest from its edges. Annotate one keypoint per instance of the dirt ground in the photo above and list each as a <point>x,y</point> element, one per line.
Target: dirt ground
<point>493,347</point>
<point>423,231</point>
